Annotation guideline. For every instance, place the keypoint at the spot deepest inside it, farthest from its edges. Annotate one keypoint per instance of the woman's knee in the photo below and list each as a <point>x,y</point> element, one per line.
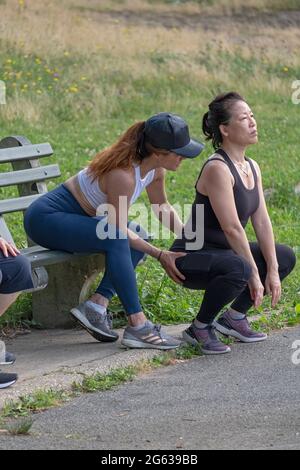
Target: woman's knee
<point>286,258</point>
<point>16,275</point>
<point>22,266</point>
<point>239,269</point>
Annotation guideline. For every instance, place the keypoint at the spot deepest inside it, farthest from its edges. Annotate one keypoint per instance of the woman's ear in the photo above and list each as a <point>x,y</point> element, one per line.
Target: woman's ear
<point>223,130</point>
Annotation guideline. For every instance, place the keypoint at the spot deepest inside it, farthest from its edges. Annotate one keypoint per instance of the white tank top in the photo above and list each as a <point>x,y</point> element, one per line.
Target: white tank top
<point>96,197</point>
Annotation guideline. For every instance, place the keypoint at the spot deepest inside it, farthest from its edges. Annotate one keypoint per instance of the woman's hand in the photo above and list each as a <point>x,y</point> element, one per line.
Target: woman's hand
<point>167,260</point>
<point>273,286</point>
<point>8,248</point>
<point>256,290</point>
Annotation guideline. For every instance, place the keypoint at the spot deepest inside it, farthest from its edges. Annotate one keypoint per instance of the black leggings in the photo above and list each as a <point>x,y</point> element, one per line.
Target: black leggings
<point>224,276</point>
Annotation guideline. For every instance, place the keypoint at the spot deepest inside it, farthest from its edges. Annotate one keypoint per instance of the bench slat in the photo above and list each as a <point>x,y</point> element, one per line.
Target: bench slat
<point>31,175</point>
<point>39,256</point>
<point>17,204</point>
<point>26,152</point>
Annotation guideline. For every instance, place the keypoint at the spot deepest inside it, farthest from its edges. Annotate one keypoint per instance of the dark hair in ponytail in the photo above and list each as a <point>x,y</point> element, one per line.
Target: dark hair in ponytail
<point>219,113</point>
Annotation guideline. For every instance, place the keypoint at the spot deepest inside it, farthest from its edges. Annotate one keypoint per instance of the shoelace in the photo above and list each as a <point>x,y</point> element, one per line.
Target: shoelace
<point>157,328</point>
<point>109,319</point>
<point>212,334</point>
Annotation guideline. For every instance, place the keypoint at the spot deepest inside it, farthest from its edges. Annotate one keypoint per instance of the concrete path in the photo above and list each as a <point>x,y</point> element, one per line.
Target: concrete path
<point>56,358</point>
<point>248,399</point>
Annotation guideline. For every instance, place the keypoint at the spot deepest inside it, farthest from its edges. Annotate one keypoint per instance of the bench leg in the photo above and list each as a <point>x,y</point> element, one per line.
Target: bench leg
<point>68,285</point>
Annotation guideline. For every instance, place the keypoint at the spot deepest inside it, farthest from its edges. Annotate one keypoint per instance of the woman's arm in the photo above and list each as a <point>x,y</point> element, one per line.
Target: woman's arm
<point>264,232</point>
<point>161,207</point>
<point>263,228</point>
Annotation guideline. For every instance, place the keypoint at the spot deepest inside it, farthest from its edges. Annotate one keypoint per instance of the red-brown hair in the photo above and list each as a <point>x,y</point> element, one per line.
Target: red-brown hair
<point>129,149</point>
<point>122,154</point>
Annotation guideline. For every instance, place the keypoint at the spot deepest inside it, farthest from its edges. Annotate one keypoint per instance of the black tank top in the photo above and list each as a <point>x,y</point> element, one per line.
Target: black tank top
<point>246,201</point>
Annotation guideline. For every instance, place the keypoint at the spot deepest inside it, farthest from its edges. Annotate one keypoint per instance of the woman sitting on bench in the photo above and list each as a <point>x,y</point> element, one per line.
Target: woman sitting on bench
<point>67,219</point>
<point>15,276</point>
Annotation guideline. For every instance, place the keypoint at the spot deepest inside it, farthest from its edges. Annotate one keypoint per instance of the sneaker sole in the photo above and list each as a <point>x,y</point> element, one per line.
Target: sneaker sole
<point>130,343</point>
<point>194,342</point>
<point>225,331</point>
<point>97,334</point>
<point>8,384</point>
<point>7,363</point>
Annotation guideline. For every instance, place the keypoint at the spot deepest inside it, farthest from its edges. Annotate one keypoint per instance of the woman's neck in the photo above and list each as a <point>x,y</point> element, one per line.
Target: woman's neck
<point>148,164</point>
<point>235,152</point>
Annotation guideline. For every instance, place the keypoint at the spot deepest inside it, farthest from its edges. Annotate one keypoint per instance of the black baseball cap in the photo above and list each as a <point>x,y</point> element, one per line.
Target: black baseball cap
<point>170,132</point>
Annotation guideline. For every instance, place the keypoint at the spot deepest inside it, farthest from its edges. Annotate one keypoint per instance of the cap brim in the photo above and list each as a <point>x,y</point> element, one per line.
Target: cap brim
<point>191,150</point>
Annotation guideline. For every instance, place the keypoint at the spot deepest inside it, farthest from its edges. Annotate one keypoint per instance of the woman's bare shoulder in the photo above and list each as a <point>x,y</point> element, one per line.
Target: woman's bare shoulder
<point>212,165</point>
<point>213,170</point>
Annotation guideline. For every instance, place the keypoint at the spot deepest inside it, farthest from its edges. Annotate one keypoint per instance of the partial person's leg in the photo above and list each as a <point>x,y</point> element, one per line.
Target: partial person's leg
<point>93,314</point>
<point>15,276</point>
<point>105,289</point>
<point>234,321</point>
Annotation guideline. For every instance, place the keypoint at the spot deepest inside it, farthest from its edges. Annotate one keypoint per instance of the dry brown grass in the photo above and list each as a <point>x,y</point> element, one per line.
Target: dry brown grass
<point>49,28</point>
<point>218,7</point>
<point>22,107</point>
<point>106,46</point>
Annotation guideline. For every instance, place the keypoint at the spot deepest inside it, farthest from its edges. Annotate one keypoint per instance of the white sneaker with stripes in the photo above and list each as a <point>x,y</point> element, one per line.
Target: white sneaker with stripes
<point>149,337</point>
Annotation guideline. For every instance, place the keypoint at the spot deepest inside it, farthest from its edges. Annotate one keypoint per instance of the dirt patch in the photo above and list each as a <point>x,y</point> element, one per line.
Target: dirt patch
<point>281,19</point>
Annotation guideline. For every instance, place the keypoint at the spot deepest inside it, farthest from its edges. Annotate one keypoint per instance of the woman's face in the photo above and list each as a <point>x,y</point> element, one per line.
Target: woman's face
<point>170,161</point>
<point>242,128</point>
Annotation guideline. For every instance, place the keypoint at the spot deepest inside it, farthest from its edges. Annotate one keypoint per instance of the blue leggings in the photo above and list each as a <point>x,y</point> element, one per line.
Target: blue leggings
<point>15,274</point>
<point>57,221</point>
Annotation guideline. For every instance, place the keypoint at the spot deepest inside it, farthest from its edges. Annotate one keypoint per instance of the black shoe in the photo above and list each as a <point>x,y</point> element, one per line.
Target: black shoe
<point>6,380</point>
<point>9,359</point>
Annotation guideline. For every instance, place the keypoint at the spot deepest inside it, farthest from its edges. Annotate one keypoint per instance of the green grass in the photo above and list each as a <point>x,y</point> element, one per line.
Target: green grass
<point>103,382</point>
<point>19,426</point>
<point>80,100</point>
<point>38,401</point>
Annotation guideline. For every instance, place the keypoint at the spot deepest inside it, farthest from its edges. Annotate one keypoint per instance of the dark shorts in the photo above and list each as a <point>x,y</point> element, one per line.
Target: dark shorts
<point>15,274</point>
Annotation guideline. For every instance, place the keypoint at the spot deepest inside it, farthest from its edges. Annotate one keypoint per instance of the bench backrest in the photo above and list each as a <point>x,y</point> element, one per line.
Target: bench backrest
<point>27,174</point>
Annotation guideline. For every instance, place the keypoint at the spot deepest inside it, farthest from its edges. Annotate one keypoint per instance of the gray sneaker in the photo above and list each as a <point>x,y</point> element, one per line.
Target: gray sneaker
<point>206,338</point>
<point>97,324</point>
<point>149,337</point>
<point>239,329</point>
